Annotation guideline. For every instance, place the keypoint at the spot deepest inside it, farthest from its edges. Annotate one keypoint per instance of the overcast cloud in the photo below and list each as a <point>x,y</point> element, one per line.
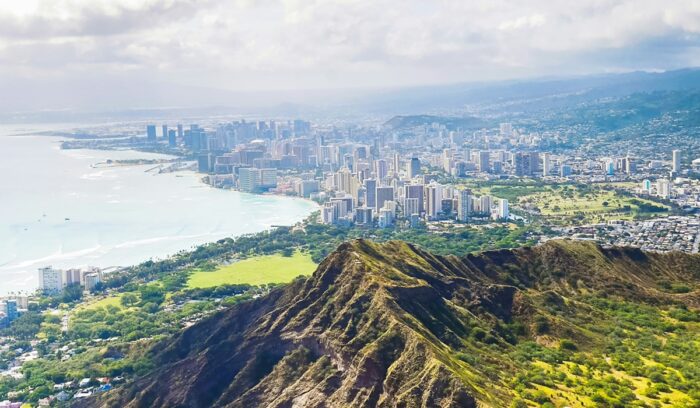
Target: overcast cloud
<point>303,44</point>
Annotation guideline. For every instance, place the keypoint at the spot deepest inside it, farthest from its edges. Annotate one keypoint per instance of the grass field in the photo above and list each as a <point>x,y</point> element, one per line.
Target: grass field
<point>112,300</point>
<point>594,205</point>
<point>255,271</point>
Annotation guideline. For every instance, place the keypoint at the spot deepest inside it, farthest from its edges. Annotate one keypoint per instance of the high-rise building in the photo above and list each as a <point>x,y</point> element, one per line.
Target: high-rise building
<point>328,214</point>
<point>205,163</point>
<point>534,163</point>
<point>565,170</point>
<point>676,164</point>
<point>502,209</point>
<point>434,199</point>
<point>413,167</point>
<point>10,309</point>
<point>180,133</point>
<point>522,164</point>
<point>151,133</point>
<point>663,188</point>
<point>345,181</point>
<point>464,205</point>
<point>370,192</point>
<point>459,169</point>
<point>447,160</point>
<point>630,166</point>
<point>71,276</point>
<point>416,191</point>
<point>386,218</point>
<point>301,127</point>
<point>610,168</point>
<point>546,164</point>
<point>363,215</point>
<point>486,202</point>
<point>172,138</point>
<point>397,164</point>
<point>165,131</point>
<point>50,280</point>
<point>248,179</point>
<point>484,161</point>
<point>646,186</point>
<point>344,205</point>
<point>497,167</point>
<point>306,187</point>
<point>91,280</point>
<point>384,194</point>
<point>381,169</point>
<point>410,206</point>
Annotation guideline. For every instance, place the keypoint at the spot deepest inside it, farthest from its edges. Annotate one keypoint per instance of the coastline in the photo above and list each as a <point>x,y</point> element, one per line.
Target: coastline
<point>253,214</point>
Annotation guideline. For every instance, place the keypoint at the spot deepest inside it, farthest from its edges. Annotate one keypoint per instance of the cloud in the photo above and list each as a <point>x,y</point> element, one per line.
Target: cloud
<point>269,44</point>
<point>64,18</point>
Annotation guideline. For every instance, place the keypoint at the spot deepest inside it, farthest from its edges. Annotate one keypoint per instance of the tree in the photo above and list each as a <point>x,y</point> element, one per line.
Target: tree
<point>152,294</point>
<point>129,299</point>
<point>72,293</point>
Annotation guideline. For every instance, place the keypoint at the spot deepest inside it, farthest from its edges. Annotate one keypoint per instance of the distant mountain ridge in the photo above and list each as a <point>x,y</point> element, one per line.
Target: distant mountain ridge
<point>390,325</point>
<point>91,99</point>
<point>408,121</point>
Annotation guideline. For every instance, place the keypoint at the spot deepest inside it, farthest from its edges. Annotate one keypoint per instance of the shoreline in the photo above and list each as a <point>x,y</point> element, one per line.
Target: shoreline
<point>23,278</point>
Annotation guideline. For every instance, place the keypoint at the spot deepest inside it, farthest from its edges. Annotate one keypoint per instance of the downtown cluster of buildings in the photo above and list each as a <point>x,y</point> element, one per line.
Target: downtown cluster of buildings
<point>382,175</point>
<point>364,197</point>
<point>363,178</point>
<point>53,281</point>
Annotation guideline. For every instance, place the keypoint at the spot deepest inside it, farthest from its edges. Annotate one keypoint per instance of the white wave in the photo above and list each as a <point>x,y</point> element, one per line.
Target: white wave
<point>56,256</point>
<point>99,175</point>
<point>131,244</point>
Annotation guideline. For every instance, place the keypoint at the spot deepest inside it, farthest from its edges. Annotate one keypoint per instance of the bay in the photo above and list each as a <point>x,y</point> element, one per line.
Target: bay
<point>57,208</point>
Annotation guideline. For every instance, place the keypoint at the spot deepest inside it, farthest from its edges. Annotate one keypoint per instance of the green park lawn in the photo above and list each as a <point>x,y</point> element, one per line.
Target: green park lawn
<point>596,205</point>
<point>111,300</point>
<point>259,270</point>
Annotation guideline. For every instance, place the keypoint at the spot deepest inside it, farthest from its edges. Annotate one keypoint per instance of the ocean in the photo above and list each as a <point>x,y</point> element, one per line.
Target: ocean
<point>58,209</point>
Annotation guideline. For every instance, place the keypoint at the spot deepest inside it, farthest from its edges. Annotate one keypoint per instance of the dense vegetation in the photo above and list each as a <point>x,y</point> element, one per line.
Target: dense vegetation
<point>562,324</point>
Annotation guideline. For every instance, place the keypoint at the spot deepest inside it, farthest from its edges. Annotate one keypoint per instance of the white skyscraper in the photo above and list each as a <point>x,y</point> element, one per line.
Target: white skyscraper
<point>546,164</point>
<point>486,204</point>
<point>50,280</point>
<point>248,179</point>
<point>503,212</point>
<point>663,188</point>
<point>676,161</point>
<point>447,160</point>
<point>397,164</point>
<point>434,196</point>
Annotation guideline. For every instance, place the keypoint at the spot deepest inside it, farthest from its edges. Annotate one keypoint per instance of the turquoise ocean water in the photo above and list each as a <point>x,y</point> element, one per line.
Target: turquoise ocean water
<point>57,209</point>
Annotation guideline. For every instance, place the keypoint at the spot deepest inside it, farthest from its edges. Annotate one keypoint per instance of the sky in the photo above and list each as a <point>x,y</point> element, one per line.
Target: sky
<point>258,45</point>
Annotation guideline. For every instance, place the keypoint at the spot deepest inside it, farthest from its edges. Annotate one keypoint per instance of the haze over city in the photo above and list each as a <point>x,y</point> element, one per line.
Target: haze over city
<point>73,54</point>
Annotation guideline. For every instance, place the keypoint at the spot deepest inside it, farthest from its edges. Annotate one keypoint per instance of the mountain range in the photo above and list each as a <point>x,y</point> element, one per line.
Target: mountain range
<point>93,100</point>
